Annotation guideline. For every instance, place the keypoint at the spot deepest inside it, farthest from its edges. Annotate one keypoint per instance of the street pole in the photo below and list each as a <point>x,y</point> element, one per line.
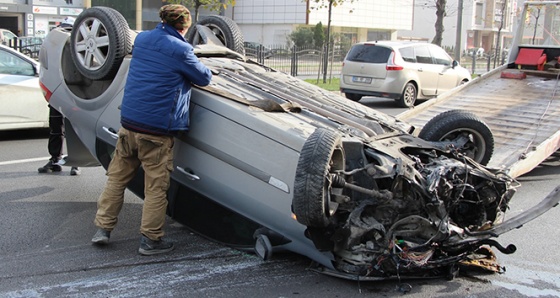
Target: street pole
<point>458,38</point>
<point>326,57</point>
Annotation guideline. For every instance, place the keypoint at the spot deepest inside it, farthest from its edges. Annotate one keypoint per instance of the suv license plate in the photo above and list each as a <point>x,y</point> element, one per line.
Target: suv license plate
<point>362,80</point>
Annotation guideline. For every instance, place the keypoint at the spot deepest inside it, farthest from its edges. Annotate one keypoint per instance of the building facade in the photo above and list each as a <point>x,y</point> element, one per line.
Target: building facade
<point>271,21</point>
<point>484,22</point>
<point>36,17</point>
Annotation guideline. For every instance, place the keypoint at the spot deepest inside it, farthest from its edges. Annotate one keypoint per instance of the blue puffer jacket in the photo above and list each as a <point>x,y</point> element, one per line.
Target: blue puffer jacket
<point>158,88</point>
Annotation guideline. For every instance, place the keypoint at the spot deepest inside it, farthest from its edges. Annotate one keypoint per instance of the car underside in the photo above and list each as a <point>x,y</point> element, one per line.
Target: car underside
<point>371,197</point>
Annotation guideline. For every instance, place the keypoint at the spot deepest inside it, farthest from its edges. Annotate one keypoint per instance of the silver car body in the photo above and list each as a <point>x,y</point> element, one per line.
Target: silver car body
<point>274,163</point>
<point>23,104</point>
<point>385,72</point>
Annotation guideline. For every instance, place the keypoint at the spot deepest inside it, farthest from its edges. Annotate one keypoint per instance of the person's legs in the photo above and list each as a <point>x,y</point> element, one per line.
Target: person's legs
<point>121,170</point>
<point>56,137</point>
<point>56,140</point>
<point>156,155</point>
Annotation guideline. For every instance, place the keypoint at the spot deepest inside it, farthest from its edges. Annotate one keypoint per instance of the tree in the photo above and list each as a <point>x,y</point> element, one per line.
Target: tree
<point>213,5</point>
<point>319,35</point>
<point>302,37</point>
<point>440,14</point>
<point>321,4</point>
<point>503,12</point>
<point>535,12</point>
<point>442,11</point>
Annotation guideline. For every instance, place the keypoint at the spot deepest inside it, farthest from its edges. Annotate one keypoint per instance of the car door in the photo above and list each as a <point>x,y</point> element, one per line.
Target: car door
<point>447,75</point>
<point>23,104</point>
<point>427,72</point>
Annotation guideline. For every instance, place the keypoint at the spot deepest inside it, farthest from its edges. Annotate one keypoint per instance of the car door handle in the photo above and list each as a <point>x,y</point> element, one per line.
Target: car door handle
<point>111,132</point>
<point>420,70</point>
<point>188,173</point>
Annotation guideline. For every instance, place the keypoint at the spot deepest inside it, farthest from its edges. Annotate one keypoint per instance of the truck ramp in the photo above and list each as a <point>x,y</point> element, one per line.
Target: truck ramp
<point>523,114</point>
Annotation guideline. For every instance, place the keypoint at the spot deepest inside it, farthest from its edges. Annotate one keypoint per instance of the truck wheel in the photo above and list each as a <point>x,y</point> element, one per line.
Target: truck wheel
<point>452,125</point>
<point>353,96</point>
<point>225,29</point>
<point>408,97</point>
<point>99,41</point>
<point>321,155</point>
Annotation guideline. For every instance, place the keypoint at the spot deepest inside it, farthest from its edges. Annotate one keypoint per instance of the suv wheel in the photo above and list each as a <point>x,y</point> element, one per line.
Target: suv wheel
<point>320,156</point>
<point>461,127</point>
<point>408,97</point>
<point>99,41</point>
<point>223,28</point>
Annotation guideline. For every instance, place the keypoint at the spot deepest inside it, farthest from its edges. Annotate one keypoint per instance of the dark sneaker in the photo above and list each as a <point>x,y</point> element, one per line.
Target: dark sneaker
<point>50,167</point>
<point>75,171</point>
<point>101,237</point>
<point>150,247</point>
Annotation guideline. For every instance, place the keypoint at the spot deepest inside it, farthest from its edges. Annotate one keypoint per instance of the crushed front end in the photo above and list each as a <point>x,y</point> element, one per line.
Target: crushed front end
<point>402,207</point>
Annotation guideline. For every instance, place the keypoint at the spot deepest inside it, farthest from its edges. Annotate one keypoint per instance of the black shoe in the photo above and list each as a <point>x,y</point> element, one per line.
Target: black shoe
<point>50,167</point>
<point>101,237</point>
<point>150,247</point>
<point>75,171</point>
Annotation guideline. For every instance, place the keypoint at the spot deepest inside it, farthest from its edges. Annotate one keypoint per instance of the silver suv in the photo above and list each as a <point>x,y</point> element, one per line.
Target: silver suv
<point>272,163</point>
<point>405,71</point>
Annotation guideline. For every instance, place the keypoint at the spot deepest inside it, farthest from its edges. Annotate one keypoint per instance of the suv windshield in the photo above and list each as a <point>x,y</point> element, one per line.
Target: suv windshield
<point>369,53</point>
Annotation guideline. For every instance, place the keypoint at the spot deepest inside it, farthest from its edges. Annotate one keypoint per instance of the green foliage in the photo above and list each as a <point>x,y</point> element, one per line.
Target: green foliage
<point>213,5</point>
<point>302,37</point>
<point>332,84</point>
<point>319,35</point>
<point>325,3</point>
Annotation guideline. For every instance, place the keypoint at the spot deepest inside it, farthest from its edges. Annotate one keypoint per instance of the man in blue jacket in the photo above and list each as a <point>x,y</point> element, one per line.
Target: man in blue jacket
<point>154,109</point>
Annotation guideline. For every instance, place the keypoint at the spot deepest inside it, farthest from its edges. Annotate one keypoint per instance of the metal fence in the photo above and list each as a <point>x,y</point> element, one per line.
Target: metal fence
<point>29,46</point>
<point>299,61</point>
<point>479,64</point>
<point>309,62</point>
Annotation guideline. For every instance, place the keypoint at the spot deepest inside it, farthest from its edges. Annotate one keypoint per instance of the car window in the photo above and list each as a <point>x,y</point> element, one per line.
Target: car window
<point>440,56</point>
<point>11,64</point>
<point>369,53</point>
<point>9,35</point>
<point>408,54</point>
<point>423,55</point>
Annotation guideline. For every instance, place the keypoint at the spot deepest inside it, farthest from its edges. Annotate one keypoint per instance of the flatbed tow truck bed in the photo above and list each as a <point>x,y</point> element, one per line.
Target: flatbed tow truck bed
<point>523,114</point>
<point>518,100</point>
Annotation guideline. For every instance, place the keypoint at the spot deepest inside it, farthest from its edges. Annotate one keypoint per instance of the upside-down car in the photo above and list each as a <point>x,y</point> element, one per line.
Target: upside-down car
<point>272,163</point>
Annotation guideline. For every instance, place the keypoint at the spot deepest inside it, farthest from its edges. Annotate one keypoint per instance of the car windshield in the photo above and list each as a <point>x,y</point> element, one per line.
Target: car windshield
<point>369,53</point>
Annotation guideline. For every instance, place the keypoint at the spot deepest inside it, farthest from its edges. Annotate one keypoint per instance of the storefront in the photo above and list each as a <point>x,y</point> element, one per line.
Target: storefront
<point>36,17</point>
<point>48,14</point>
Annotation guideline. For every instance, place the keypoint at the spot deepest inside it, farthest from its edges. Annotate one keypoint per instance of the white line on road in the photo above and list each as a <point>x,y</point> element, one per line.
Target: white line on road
<point>11,162</point>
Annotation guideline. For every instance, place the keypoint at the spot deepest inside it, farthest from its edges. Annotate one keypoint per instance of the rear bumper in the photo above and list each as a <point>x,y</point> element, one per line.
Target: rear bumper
<point>370,93</point>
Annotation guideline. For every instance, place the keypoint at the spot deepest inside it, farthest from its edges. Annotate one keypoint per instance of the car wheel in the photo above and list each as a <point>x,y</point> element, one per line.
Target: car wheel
<point>408,97</point>
<point>353,96</point>
<point>320,156</point>
<point>223,28</point>
<point>99,41</point>
<point>464,128</point>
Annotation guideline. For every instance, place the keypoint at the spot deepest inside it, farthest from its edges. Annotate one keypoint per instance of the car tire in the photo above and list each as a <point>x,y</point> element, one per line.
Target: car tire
<point>408,97</point>
<point>225,29</point>
<point>321,155</point>
<point>452,124</point>
<point>353,96</point>
<point>98,54</point>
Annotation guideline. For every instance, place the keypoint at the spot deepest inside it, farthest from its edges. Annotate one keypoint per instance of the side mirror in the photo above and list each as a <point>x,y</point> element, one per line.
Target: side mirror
<point>454,63</point>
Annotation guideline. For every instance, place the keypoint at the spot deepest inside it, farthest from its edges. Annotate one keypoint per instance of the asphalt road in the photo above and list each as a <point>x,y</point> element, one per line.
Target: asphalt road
<point>47,223</point>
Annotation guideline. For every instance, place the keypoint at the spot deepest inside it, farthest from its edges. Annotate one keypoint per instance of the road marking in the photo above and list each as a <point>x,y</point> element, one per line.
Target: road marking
<point>11,162</point>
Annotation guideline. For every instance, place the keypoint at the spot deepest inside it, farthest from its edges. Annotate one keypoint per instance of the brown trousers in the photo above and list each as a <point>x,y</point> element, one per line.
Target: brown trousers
<point>155,154</point>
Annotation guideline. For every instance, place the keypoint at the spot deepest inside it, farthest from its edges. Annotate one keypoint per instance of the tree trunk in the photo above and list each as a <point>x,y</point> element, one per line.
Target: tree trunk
<point>440,14</point>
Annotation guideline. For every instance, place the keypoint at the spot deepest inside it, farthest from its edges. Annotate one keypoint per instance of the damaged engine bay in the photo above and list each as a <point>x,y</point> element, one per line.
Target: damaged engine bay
<point>412,212</point>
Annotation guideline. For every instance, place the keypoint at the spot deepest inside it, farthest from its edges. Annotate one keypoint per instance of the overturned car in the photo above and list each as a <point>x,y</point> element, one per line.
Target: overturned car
<point>272,163</point>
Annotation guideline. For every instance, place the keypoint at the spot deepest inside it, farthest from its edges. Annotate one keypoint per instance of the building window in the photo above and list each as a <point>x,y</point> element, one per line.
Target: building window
<point>479,13</point>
